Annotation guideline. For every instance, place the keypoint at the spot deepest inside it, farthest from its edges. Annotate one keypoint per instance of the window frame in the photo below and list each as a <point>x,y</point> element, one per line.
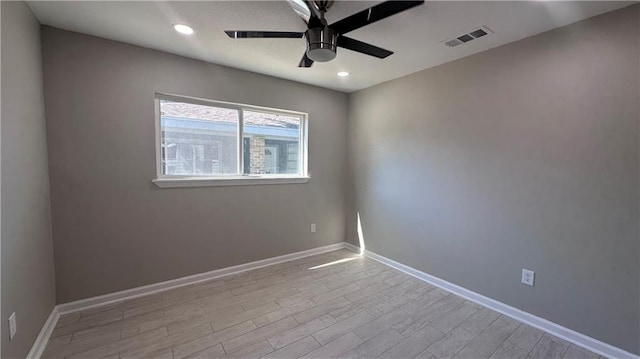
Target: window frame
<point>238,178</point>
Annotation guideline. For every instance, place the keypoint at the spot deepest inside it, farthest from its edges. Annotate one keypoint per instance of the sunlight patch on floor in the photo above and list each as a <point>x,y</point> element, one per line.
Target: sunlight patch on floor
<point>334,263</point>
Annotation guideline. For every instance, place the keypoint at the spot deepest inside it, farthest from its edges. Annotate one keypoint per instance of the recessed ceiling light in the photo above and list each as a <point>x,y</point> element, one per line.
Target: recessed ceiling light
<point>183,29</point>
<point>343,74</point>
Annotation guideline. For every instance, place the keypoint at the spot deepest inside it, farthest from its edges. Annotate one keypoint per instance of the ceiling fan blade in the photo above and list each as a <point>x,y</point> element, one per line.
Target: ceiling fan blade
<point>372,14</point>
<point>264,34</point>
<point>305,61</point>
<point>301,8</point>
<point>363,47</point>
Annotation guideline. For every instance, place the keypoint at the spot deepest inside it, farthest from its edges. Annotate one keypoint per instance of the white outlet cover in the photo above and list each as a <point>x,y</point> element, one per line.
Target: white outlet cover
<point>528,277</point>
<point>313,228</point>
<point>12,325</point>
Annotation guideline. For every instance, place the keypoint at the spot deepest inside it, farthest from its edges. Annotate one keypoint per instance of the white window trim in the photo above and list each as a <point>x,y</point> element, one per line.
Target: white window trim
<point>164,181</point>
<point>231,181</point>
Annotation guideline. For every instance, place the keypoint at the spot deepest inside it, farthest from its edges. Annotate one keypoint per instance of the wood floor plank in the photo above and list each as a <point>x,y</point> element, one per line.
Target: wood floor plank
<point>335,293</point>
<point>375,346</point>
<point>451,319</point>
<point>282,313</point>
<point>525,337</point>
<point>225,321</point>
<point>187,348</point>
<point>336,347</point>
<point>141,326</point>
<point>479,321</point>
<point>295,349</point>
<point>117,326</point>
<point>509,351</point>
<point>138,341</point>
<point>340,328</point>
<point>68,319</point>
<point>414,344</point>
<point>468,353</point>
<point>383,323</point>
<point>303,330</point>
<point>215,352</point>
<point>492,337</point>
<point>60,351</point>
<point>575,352</point>
<point>302,295</point>
<point>356,307</point>
<point>549,347</point>
<point>252,351</point>
<point>366,291</point>
<point>320,310</point>
<point>150,349</point>
<point>258,335</point>
<point>451,344</point>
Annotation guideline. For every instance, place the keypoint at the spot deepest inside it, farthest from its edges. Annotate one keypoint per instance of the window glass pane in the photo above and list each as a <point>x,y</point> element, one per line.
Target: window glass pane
<point>271,143</point>
<point>198,140</point>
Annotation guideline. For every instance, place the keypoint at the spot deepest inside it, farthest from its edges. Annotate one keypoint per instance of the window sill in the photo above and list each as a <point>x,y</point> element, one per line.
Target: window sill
<point>231,181</point>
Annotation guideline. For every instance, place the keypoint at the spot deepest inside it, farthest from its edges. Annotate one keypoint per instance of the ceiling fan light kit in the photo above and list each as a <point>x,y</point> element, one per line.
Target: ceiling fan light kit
<point>322,44</point>
<point>322,39</point>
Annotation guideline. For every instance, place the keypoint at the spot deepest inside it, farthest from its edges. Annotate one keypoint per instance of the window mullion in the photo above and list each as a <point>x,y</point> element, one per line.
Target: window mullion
<point>302,147</point>
<point>241,143</point>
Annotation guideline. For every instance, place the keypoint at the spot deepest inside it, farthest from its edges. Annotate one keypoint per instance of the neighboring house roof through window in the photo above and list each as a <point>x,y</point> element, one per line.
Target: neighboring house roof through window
<point>199,112</point>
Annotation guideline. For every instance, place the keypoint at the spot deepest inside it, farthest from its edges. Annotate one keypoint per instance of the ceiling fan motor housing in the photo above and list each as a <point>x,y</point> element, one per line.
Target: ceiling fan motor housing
<point>321,44</point>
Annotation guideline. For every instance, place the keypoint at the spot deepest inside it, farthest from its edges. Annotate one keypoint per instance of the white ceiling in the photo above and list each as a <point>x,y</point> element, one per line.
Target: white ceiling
<point>415,35</point>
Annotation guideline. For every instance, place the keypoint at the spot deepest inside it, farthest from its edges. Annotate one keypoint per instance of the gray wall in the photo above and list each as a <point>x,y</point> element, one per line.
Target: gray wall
<point>113,228</point>
<point>28,283</point>
<point>523,156</point>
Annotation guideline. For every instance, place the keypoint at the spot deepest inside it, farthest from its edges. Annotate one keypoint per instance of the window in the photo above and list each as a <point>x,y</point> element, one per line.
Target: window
<point>199,143</point>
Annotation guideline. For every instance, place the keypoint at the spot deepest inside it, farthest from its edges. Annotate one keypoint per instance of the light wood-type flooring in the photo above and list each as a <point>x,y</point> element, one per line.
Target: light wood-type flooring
<point>336,304</point>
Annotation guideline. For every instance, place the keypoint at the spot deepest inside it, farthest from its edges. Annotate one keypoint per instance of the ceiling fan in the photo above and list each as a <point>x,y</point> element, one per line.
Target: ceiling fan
<point>323,39</point>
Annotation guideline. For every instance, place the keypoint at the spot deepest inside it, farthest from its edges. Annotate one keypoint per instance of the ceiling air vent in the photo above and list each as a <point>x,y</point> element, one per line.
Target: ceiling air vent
<point>459,40</point>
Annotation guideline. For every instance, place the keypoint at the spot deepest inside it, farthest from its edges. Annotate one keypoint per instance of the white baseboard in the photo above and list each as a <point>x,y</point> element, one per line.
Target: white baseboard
<point>351,247</point>
<point>87,303</point>
<point>45,333</point>
<point>559,331</point>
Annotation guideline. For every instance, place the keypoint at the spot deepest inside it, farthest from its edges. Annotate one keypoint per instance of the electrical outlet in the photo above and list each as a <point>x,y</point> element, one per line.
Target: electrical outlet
<point>528,276</point>
<point>12,325</point>
<point>313,228</point>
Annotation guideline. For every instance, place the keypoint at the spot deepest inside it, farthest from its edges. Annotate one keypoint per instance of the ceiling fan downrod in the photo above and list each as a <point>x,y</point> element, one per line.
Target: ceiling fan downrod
<point>322,5</point>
